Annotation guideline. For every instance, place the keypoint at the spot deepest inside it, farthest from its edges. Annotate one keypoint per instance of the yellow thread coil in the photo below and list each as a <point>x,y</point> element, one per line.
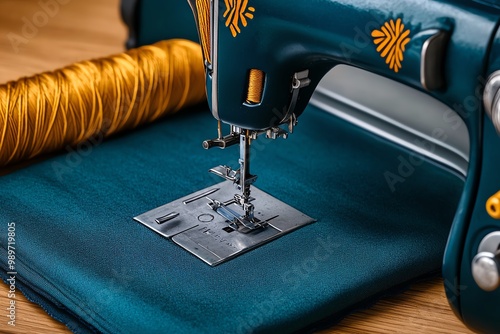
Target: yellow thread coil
<point>53,110</point>
<point>255,86</point>
<point>493,206</point>
<point>203,10</point>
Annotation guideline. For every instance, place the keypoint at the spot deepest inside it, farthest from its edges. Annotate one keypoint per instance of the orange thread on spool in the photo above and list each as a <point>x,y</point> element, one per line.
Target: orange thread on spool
<point>52,110</point>
<point>255,86</point>
<point>203,10</point>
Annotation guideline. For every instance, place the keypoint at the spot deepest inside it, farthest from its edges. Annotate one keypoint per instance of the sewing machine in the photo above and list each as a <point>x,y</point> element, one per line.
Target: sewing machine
<point>264,60</point>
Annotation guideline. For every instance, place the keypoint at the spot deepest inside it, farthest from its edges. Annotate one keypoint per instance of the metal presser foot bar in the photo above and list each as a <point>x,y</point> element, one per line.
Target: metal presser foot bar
<point>207,223</point>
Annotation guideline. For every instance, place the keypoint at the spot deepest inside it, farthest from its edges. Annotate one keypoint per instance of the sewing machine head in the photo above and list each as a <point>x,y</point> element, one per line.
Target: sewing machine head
<point>263,61</point>
<point>265,58</point>
<point>254,74</point>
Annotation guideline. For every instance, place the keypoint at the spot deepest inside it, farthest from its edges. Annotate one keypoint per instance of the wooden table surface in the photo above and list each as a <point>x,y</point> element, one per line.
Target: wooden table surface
<point>83,29</point>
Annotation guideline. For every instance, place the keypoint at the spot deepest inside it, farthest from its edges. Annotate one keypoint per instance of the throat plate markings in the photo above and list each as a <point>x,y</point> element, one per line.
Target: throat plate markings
<point>193,225</point>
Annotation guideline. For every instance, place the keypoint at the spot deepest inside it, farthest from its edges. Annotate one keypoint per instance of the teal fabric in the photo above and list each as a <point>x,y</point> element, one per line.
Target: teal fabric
<point>81,256</point>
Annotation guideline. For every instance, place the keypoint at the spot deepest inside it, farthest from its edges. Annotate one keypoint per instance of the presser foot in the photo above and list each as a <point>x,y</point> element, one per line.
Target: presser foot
<point>212,226</point>
<point>243,223</point>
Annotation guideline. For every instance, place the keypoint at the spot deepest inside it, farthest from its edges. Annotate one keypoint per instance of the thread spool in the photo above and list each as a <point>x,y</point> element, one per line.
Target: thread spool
<point>203,14</point>
<point>255,87</point>
<point>52,110</point>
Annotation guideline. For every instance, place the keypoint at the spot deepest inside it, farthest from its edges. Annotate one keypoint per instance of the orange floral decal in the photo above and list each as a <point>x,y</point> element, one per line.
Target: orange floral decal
<point>391,42</point>
<point>237,11</point>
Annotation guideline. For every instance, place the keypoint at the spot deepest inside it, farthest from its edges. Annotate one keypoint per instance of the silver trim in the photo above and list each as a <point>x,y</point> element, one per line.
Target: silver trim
<point>361,98</point>
<point>215,61</point>
<point>490,91</point>
<point>485,271</point>
<point>491,98</point>
<point>432,58</point>
<point>485,265</point>
<point>490,243</point>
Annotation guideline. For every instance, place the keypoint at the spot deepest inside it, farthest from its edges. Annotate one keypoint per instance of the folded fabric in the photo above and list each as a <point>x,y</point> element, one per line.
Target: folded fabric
<point>82,257</point>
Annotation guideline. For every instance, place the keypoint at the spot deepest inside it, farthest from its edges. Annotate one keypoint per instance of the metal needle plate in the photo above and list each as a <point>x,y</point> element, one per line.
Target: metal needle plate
<point>192,224</point>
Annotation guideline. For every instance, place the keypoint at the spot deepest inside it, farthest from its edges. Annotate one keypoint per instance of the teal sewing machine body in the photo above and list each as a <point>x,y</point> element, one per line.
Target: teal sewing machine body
<point>445,48</point>
<point>283,39</point>
<point>264,60</point>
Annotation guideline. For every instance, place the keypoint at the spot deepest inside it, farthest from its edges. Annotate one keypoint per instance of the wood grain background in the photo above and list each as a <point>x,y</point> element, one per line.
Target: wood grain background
<point>83,29</point>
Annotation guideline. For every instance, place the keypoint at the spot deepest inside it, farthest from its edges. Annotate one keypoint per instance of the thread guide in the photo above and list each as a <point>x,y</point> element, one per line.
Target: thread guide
<point>197,227</point>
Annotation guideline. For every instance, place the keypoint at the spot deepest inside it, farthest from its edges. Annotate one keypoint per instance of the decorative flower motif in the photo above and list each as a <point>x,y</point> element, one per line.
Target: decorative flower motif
<point>391,40</point>
<point>237,11</point>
